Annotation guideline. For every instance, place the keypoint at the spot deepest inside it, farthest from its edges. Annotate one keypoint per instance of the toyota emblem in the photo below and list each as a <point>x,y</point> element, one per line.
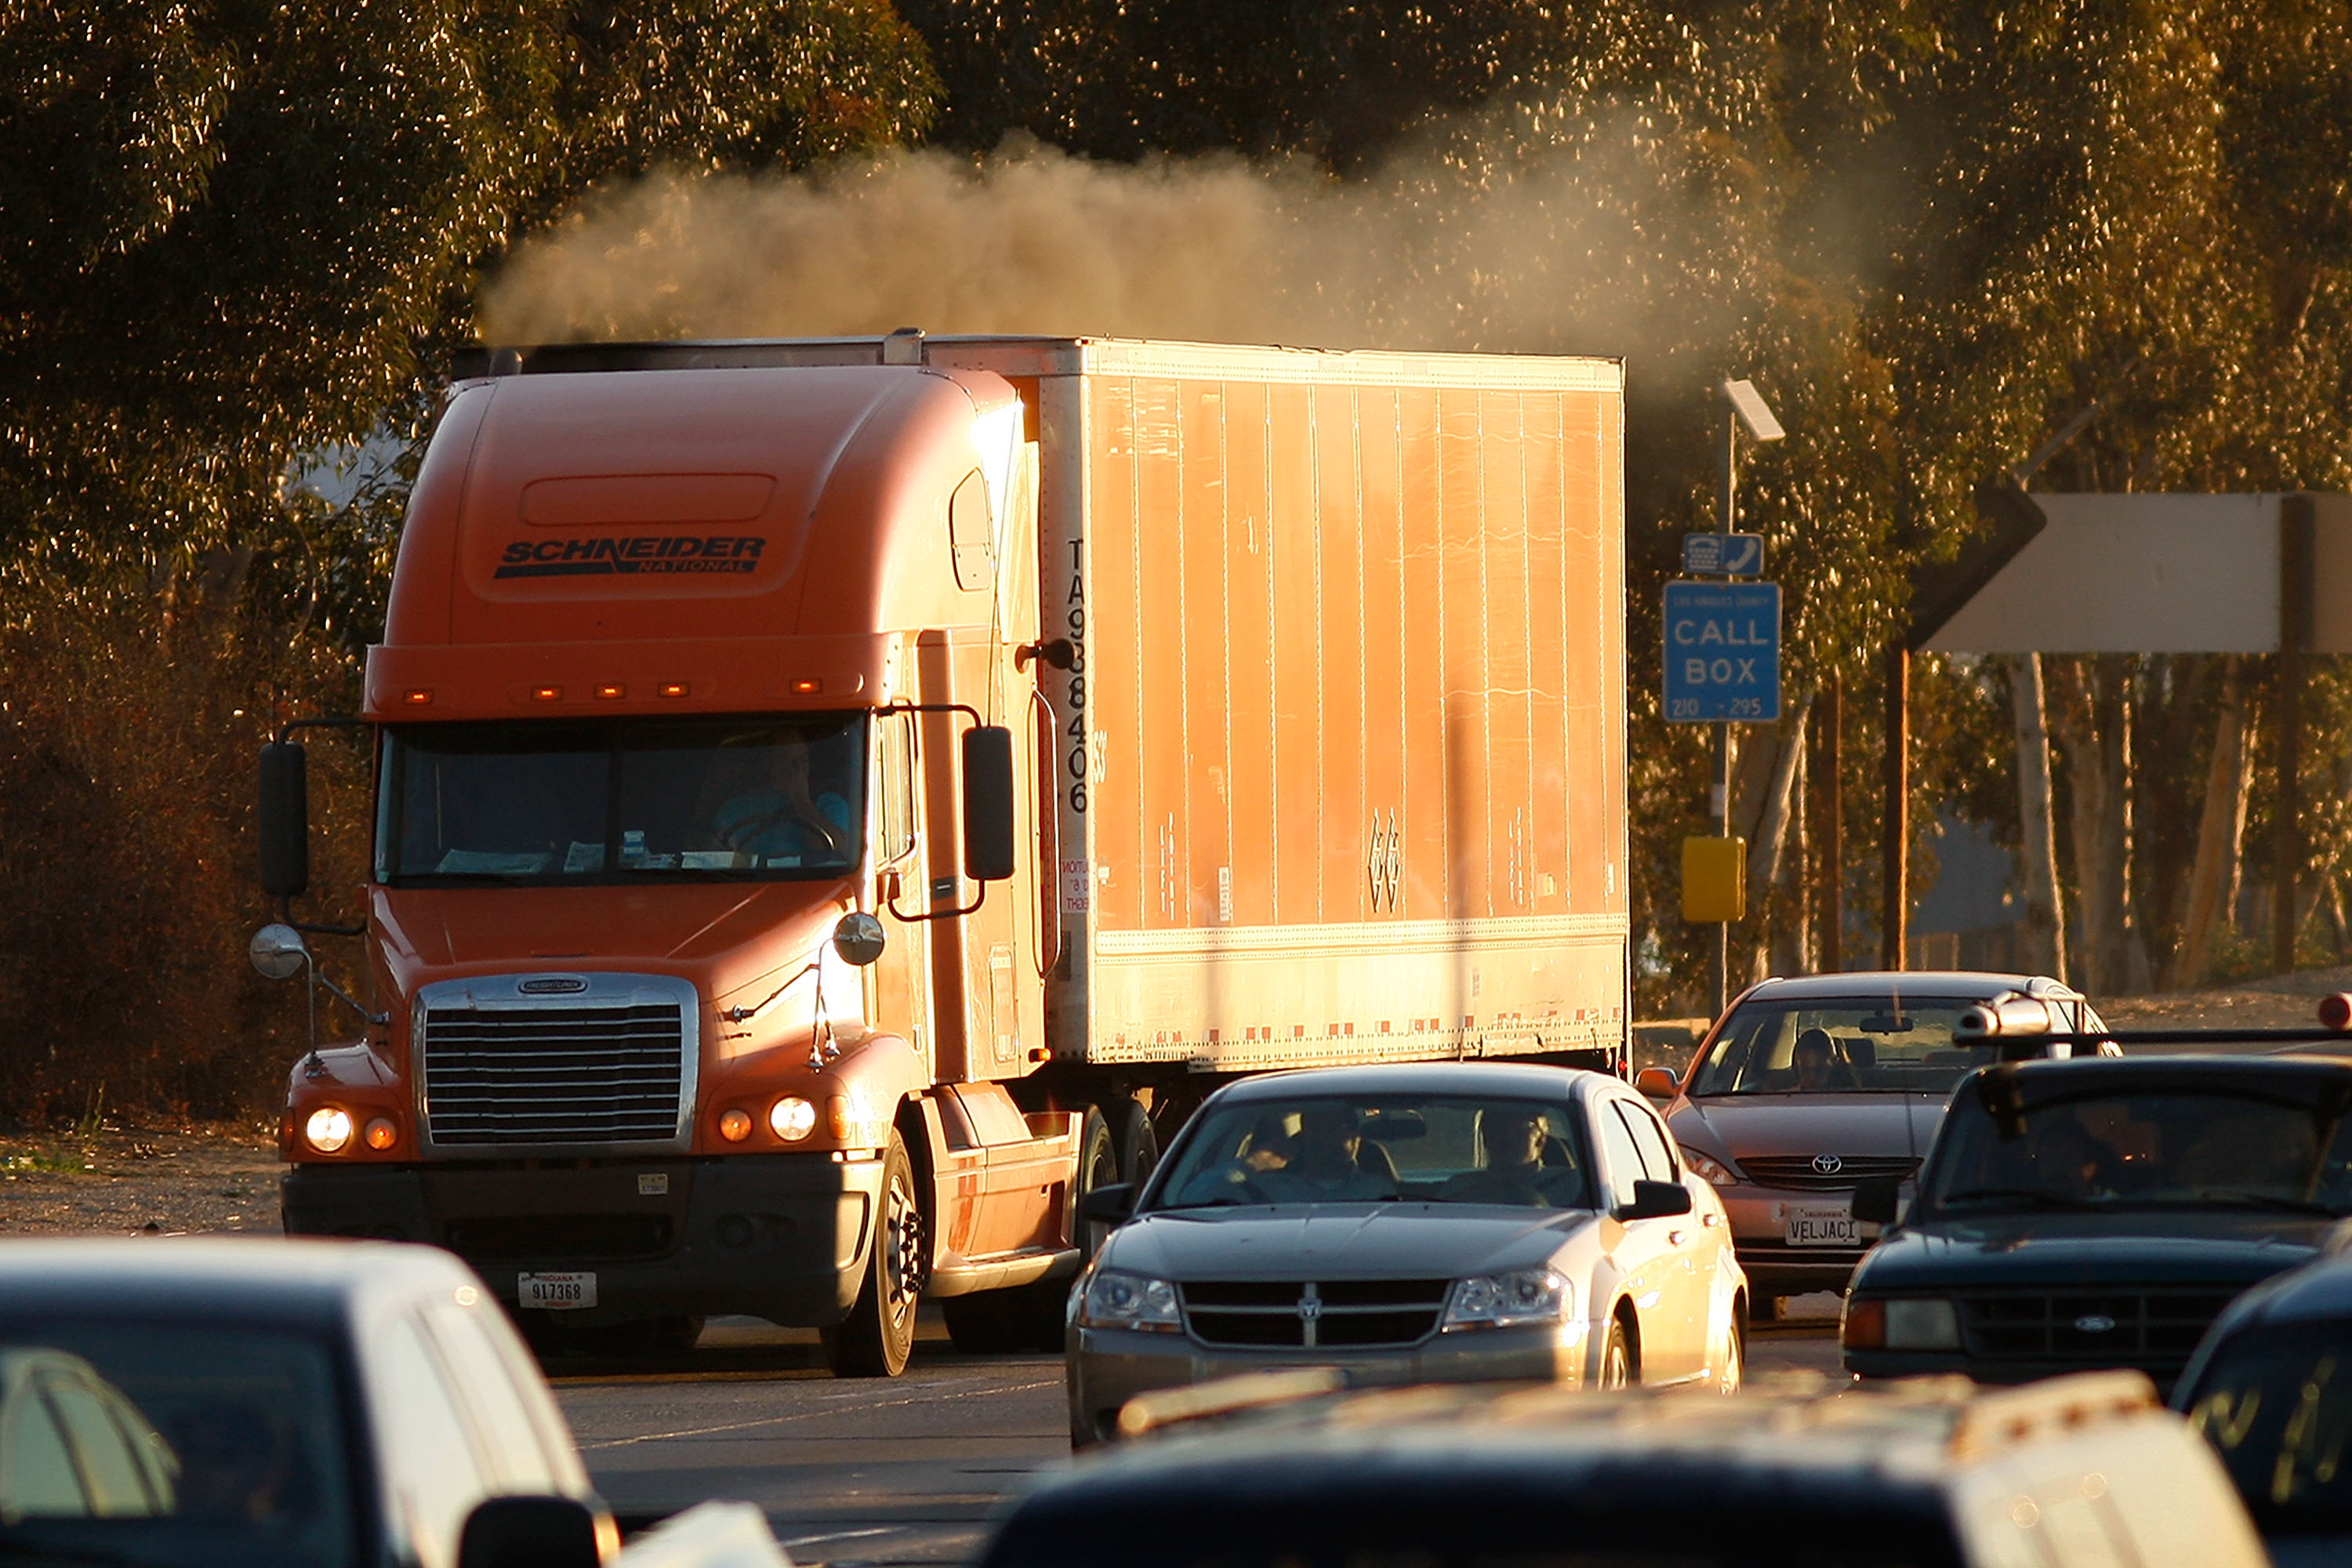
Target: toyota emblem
<point>1827,1165</point>
<point>2093,1323</point>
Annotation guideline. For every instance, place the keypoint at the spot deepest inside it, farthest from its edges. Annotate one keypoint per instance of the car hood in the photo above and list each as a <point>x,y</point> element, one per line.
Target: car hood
<point>1846,1122</point>
<point>1345,1241</point>
<point>2154,1247</point>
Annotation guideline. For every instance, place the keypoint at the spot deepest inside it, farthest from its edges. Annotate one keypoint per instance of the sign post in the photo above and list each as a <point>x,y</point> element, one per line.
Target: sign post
<point>1723,646</point>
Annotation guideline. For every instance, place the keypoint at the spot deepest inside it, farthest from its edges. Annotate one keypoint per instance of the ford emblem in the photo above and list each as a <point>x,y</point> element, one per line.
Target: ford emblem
<point>2093,1323</point>
<point>1827,1165</point>
<point>553,986</point>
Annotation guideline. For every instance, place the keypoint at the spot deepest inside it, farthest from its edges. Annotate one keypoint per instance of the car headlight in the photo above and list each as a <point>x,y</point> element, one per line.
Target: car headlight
<point>327,1128</point>
<point>1901,1324</point>
<point>1505,1300</point>
<point>1716,1172</point>
<point>1114,1299</point>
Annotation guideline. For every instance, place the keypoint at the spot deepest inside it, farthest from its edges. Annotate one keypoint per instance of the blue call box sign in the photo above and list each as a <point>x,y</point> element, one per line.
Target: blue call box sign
<point>1723,555</point>
<point>1722,652</point>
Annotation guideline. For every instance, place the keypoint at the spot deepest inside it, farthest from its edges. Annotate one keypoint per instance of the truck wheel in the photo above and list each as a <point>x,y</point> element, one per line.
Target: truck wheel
<point>1097,1167</point>
<point>875,1339</point>
<point>1139,1145</point>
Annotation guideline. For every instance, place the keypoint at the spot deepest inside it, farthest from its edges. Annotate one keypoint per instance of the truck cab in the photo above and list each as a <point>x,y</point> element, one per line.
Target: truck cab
<point>703,767</point>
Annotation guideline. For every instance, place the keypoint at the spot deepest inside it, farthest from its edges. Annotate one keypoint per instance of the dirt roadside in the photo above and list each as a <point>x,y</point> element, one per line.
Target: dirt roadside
<point>130,1180</point>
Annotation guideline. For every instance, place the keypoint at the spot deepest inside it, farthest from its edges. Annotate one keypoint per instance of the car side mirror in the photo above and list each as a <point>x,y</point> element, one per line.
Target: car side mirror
<point>1108,1204</point>
<point>1656,1200</point>
<point>988,803</point>
<point>1876,1199</point>
<point>282,820</point>
<point>535,1532</point>
<point>1658,1083</point>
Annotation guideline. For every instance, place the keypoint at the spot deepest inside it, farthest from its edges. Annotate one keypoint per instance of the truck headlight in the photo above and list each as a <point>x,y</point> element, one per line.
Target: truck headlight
<point>1114,1299</point>
<point>1715,1171</point>
<point>1507,1300</point>
<point>792,1119</point>
<point>1902,1323</point>
<point>327,1129</point>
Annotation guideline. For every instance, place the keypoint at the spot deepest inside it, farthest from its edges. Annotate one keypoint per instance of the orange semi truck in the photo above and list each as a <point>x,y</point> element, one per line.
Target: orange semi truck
<point>837,802</point>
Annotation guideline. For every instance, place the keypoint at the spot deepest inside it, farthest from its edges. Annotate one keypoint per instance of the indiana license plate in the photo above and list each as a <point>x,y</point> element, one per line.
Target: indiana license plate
<point>1823,1227</point>
<point>556,1292</point>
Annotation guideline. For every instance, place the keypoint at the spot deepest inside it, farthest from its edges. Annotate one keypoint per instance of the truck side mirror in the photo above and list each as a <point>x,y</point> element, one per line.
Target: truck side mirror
<point>1876,1199</point>
<point>282,820</point>
<point>988,803</point>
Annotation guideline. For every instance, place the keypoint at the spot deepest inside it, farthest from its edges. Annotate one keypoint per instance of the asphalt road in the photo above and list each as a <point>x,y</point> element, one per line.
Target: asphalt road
<point>857,1473</point>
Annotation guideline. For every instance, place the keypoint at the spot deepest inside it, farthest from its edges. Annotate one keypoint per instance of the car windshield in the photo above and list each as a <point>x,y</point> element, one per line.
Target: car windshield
<point>1827,1046</point>
<point>2277,1408</point>
<point>632,800</point>
<point>2201,1146</point>
<point>1318,1148</point>
<point>171,1444</point>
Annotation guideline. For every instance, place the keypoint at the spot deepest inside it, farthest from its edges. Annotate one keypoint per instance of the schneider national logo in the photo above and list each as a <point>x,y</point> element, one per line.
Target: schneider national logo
<point>644,553</point>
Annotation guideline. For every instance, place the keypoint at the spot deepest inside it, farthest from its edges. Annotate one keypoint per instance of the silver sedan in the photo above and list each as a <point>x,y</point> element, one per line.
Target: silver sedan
<point>1430,1222</point>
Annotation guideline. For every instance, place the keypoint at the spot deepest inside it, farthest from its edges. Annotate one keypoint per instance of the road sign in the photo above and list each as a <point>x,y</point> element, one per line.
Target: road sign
<point>1723,555</point>
<point>1722,652</point>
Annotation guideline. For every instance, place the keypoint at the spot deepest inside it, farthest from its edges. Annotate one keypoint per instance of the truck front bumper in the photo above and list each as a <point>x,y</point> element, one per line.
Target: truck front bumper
<point>780,1237</point>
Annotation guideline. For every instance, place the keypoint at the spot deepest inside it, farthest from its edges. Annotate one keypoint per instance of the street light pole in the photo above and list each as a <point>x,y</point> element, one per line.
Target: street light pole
<point>1727,518</point>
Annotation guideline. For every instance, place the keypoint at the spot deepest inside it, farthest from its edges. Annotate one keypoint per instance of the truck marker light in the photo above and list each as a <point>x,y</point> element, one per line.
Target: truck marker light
<point>807,686</point>
<point>792,1119</point>
<point>379,1133</point>
<point>547,694</point>
<point>417,696</point>
<point>327,1129</point>
<point>670,688</point>
<point>611,691</point>
<point>735,1125</point>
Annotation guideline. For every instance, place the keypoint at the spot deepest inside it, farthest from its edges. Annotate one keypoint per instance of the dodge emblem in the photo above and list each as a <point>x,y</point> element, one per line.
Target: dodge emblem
<point>1827,1165</point>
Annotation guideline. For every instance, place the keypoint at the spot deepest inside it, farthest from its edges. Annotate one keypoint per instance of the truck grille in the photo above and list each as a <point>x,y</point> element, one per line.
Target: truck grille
<point>1357,1313</point>
<point>607,1070</point>
<point>2155,1329</point>
<point>1797,1172</point>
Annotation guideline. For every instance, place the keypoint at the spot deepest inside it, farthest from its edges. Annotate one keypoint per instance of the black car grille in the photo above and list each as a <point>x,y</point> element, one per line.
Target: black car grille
<point>610,1074</point>
<point>1328,1313</point>
<point>2149,1329</point>
<point>1798,1173</point>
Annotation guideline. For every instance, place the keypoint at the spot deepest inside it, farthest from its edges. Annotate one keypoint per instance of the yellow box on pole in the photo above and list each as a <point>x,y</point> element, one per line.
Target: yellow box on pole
<point>1715,879</point>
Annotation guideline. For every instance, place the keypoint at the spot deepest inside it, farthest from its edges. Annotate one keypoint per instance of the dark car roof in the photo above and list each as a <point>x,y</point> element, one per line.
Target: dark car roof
<point>1529,1079</point>
<point>1777,1457</point>
<point>2320,1291</point>
<point>253,1278</point>
<point>2315,1079</point>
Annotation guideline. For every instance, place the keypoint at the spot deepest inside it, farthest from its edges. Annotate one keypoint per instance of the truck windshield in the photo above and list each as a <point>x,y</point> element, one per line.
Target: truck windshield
<point>629,800</point>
